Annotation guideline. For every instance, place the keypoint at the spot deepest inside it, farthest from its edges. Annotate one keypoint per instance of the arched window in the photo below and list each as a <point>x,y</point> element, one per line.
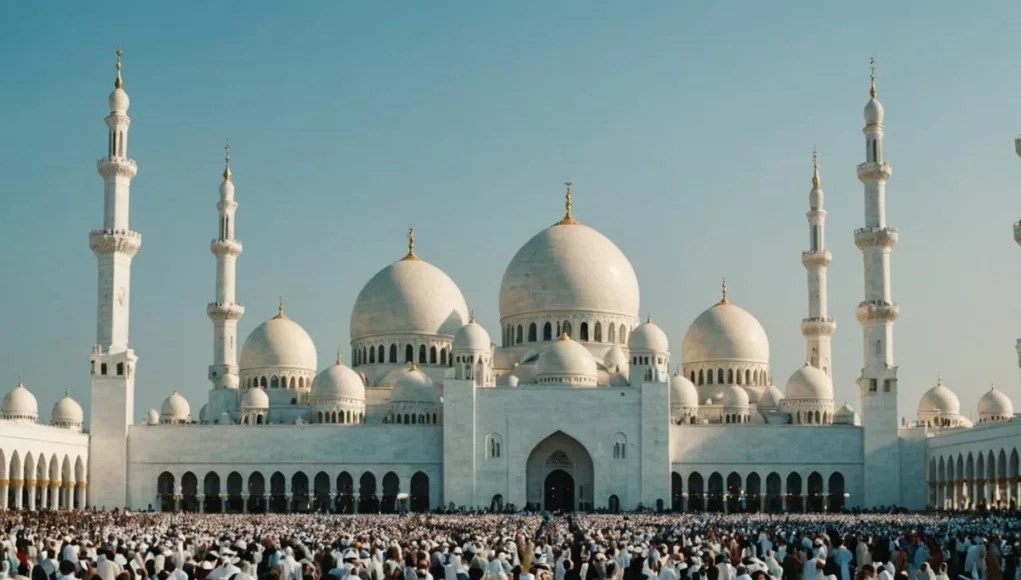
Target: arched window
<point>409,354</point>
<point>623,334</point>
<point>875,150</point>
<point>598,332</point>
<point>518,336</point>
<point>262,382</point>
<point>407,419</point>
<point>399,419</point>
<point>730,376</point>
<point>372,355</point>
<point>818,418</point>
<point>531,332</point>
<point>274,382</point>
<point>320,416</point>
<point>493,450</point>
<point>611,333</point>
<point>421,354</point>
<point>381,354</point>
<point>547,331</point>
<point>583,331</point>
<point>719,376</point>
<point>393,353</point>
<point>739,377</point>
<point>748,377</point>
<point>701,377</point>
<point>443,357</point>
<point>301,382</point>
<point>435,419</point>
<point>432,355</point>
<point>414,419</point>
<point>566,328</point>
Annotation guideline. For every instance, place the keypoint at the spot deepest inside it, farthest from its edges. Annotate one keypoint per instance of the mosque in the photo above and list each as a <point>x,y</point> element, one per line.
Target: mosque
<point>427,410</point>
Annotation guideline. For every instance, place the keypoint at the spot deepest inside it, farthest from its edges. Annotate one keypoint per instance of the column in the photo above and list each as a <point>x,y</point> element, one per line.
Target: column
<point>287,496</point>
<point>244,503</point>
<point>333,502</point>
<point>355,505</point>
<point>18,488</point>
<point>825,495</point>
<point>66,491</point>
<point>80,491</point>
<point>4,484</point>
<point>55,495</point>
<point>804,503</point>
<point>30,484</point>
<point>202,503</point>
<point>43,485</point>
<point>223,503</point>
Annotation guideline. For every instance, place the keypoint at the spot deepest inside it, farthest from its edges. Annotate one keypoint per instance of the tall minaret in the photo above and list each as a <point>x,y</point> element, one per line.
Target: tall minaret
<point>225,311</point>
<point>818,328</point>
<point>1017,238</point>
<point>113,361</point>
<point>877,313</point>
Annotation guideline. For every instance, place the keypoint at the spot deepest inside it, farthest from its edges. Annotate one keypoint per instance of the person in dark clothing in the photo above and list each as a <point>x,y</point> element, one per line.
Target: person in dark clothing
<point>793,568</point>
<point>569,572</point>
<point>634,570</point>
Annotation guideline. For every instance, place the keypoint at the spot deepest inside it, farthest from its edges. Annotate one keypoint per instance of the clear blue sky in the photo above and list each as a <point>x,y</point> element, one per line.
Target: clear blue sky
<point>687,128</point>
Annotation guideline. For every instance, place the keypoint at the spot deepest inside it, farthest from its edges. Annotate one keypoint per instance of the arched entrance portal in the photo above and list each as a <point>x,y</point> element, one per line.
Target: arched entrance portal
<point>558,492</point>
<point>560,475</point>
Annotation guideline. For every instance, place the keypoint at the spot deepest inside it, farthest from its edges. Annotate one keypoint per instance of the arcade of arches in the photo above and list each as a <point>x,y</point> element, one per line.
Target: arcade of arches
<point>299,493</point>
<point>41,481</point>
<point>988,478</point>
<point>559,475</point>
<point>732,494</point>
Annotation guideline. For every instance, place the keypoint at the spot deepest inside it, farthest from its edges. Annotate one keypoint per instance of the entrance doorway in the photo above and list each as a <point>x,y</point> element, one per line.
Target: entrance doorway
<point>558,492</point>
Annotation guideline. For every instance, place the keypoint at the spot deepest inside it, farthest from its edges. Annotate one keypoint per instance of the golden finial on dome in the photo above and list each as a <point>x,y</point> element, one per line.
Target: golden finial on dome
<point>21,382</point>
<point>340,361</point>
<point>939,380</point>
<point>563,335</point>
<point>280,310</point>
<point>808,364</point>
<point>568,220</point>
<point>471,316</point>
<point>723,287</point>
<point>119,82</point>
<point>67,394</point>
<point>815,169</point>
<point>872,77</point>
<point>414,366</point>
<point>226,171</point>
<point>411,245</point>
<point>648,318</point>
<point>992,386</point>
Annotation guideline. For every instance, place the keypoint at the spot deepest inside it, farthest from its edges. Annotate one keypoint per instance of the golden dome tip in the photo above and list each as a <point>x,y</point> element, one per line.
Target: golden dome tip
<point>280,310</point>
<point>411,246</point>
<point>563,335</point>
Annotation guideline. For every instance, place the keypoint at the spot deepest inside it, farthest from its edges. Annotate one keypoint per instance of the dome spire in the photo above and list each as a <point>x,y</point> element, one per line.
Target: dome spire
<point>340,361</point>
<point>723,287</point>
<point>872,78</point>
<point>471,316</point>
<point>21,382</point>
<point>280,310</point>
<point>568,220</point>
<point>226,171</point>
<point>119,83</point>
<point>939,380</point>
<point>411,245</point>
<point>563,335</point>
<point>815,169</point>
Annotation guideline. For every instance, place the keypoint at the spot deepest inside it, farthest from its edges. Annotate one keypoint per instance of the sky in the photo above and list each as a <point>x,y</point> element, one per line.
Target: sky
<point>687,128</point>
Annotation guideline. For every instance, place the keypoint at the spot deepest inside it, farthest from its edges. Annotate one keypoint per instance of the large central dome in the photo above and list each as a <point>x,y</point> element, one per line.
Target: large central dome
<point>569,266</point>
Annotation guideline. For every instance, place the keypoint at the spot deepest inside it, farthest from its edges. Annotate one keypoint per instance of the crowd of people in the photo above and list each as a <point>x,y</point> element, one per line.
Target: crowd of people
<point>641,546</point>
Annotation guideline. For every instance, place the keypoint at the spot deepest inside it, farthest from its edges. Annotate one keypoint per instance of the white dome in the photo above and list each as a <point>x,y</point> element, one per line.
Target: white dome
<point>119,101</point>
<point>995,404</point>
<point>566,361</point>
<point>410,296</point>
<point>939,400</point>
<point>175,407</point>
<point>255,398</point>
<point>845,410</point>
<point>873,112</point>
<point>338,381</point>
<point>67,410</point>
<point>569,267</point>
<point>615,358</point>
<point>20,403</point>
<point>415,387</point>
<point>735,396</point>
<point>648,337</point>
<point>278,343</point>
<point>725,332</point>
<point>682,391</point>
<point>152,417</point>
<point>770,398</point>
<point>472,336</point>
<point>810,383</point>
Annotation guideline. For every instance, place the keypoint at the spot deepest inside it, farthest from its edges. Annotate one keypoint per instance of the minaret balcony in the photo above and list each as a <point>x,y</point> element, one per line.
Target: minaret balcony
<point>817,259</point>
<point>219,311</point>
<point>875,238</point>
<point>818,326</point>
<point>221,248</point>
<point>1017,232</point>
<point>117,167</point>
<point>105,242</point>
<point>872,311</point>
<point>874,171</point>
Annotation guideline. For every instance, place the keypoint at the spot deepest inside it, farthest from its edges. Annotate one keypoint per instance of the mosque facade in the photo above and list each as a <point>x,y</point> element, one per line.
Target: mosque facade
<point>572,403</point>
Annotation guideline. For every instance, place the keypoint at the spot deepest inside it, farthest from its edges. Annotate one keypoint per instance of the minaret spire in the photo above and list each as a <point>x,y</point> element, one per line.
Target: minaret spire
<point>723,292</point>
<point>872,78</point>
<point>568,219</point>
<point>119,83</point>
<point>225,312</point>
<point>411,246</point>
<point>818,327</point>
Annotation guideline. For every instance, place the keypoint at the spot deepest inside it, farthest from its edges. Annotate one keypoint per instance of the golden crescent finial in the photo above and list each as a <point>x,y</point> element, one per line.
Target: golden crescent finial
<point>648,317</point>
<point>568,219</point>
<point>119,82</point>
<point>280,310</point>
<point>339,360</point>
<point>563,336</point>
<point>872,77</point>
<point>723,288</point>
<point>471,316</point>
<point>411,245</point>
<point>815,169</point>
<point>226,171</point>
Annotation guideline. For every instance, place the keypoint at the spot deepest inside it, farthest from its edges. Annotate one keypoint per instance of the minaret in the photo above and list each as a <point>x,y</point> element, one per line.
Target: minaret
<point>1017,238</point>
<point>818,328</point>
<point>877,313</point>
<point>113,361</point>
<point>225,311</point>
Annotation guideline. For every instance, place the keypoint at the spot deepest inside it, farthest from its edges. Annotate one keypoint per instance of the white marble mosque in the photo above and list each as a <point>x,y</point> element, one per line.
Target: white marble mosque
<point>576,405</point>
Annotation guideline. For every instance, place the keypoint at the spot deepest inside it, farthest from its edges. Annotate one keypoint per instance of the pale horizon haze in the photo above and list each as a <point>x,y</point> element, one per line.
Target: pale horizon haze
<point>686,127</point>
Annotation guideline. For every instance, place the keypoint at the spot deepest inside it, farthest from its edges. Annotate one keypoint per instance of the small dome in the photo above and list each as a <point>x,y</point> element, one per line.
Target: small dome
<point>873,112</point>
<point>472,336</point>
<point>682,391</point>
<point>648,337</point>
<point>415,387</point>
<point>725,332</point>
<point>995,404</point>
<point>410,296</point>
<point>278,343</point>
<point>152,417</point>
<point>735,396</point>
<point>939,400</point>
<point>338,381</point>
<point>615,358</point>
<point>119,101</point>
<point>67,411</point>
<point>175,408</point>
<point>845,410</point>
<point>255,398</point>
<point>20,403</point>
<point>810,383</point>
<point>566,361</point>
<point>770,398</point>
<point>204,413</point>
